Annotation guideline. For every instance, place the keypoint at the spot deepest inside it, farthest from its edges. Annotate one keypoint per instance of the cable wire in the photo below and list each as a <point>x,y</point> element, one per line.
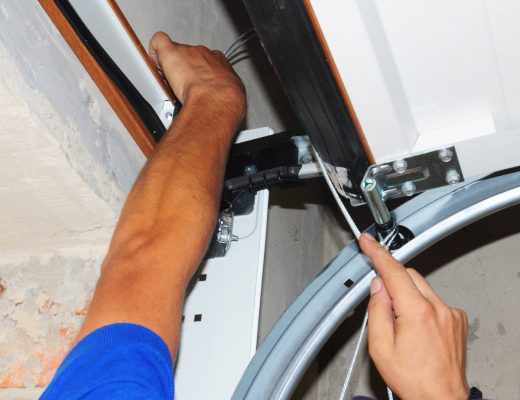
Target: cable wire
<point>355,230</point>
<point>239,42</point>
<point>354,357</point>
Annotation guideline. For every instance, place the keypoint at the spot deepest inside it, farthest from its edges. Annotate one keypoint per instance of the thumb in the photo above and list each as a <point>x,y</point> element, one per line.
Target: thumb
<point>380,319</point>
<point>159,42</point>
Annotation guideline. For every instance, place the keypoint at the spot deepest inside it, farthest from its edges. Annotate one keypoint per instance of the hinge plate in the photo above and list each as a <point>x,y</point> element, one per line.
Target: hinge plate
<point>417,173</point>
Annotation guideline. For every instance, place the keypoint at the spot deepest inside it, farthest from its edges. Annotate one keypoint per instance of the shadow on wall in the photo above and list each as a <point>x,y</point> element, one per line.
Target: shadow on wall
<point>263,70</point>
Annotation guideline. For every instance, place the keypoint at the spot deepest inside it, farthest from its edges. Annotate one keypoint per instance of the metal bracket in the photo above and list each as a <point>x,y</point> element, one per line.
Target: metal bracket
<point>168,111</point>
<point>223,236</point>
<point>405,177</point>
<point>238,204</point>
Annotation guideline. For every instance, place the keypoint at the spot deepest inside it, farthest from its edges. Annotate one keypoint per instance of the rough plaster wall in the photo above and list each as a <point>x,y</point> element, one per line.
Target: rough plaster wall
<point>59,91</point>
<point>66,163</point>
<point>53,231</point>
<point>216,24</point>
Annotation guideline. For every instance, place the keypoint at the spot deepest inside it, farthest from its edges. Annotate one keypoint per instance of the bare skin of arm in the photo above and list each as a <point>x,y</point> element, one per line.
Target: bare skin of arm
<point>170,213</point>
<point>417,342</point>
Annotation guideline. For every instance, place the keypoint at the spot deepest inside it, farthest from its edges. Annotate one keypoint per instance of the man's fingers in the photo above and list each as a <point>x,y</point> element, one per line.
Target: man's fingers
<point>399,284</point>
<point>424,287</point>
<point>380,320</point>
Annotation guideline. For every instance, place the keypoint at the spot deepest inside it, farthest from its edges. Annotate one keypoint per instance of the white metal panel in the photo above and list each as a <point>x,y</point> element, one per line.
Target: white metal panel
<point>366,83</point>
<point>215,351</point>
<point>426,74</point>
<point>108,30</point>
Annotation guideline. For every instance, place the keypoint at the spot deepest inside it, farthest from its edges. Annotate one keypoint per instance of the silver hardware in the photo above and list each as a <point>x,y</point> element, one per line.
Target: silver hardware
<point>375,201</point>
<point>400,166</point>
<point>452,177</point>
<point>423,172</point>
<point>340,178</point>
<point>445,155</point>
<point>426,171</point>
<point>167,111</point>
<point>408,188</point>
<point>224,234</point>
<point>250,169</point>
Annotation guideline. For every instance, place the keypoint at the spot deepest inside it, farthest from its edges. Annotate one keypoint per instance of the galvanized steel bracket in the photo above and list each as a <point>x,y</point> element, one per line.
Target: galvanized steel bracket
<point>408,176</point>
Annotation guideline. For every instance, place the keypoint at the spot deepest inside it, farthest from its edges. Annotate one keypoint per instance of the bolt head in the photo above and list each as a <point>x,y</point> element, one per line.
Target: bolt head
<point>250,169</point>
<point>445,155</point>
<point>399,166</point>
<point>452,177</point>
<point>408,188</point>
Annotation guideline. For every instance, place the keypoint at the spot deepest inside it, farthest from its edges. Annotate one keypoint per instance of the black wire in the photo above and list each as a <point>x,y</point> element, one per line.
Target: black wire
<point>239,42</point>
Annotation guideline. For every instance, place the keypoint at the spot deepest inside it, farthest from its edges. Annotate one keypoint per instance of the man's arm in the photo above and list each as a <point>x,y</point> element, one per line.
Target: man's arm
<point>170,214</point>
<point>417,342</point>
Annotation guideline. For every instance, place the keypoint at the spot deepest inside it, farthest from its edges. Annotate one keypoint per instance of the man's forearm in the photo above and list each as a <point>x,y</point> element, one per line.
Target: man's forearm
<point>167,222</point>
<point>177,193</point>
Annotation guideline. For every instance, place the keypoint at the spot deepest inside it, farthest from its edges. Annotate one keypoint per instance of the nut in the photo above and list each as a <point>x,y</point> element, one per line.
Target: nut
<point>408,188</point>
<point>452,177</point>
<point>250,169</point>
<point>445,155</point>
<point>399,166</point>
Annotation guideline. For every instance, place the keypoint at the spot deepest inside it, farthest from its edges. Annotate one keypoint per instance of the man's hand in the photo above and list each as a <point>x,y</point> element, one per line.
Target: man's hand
<point>197,70</point>
<point>417,342</point>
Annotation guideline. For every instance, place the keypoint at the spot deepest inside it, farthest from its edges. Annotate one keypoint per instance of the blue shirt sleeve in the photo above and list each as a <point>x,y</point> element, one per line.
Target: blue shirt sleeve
<point>118,361</point>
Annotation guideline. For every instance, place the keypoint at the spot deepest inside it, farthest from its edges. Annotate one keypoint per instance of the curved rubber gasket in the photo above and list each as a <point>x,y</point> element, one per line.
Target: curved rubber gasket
<point>142,108</point>
<point>297,337</point>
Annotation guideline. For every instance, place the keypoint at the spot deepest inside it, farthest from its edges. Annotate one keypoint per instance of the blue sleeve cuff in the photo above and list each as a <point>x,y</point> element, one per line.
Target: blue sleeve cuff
<point>118,361</point>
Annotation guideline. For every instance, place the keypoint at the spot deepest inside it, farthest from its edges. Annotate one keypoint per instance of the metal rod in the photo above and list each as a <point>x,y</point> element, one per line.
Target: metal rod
<point>376,204</point>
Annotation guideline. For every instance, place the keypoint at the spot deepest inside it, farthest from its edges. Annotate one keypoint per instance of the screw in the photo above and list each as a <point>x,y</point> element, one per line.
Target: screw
<point>452,177</point>
<point>445,155</point>
<point>306,158</point>
<point>168,115</point>
<point>250,169</point>
<point>408,188</point>
<point>400,166</point>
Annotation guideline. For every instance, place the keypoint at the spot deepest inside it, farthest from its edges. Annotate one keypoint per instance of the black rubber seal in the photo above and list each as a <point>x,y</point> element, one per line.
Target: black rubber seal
<point>294,49</point>
<point>142,108</point>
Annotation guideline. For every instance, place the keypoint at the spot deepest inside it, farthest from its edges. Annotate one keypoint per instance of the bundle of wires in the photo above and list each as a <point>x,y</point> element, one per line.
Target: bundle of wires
<point>237,45</point>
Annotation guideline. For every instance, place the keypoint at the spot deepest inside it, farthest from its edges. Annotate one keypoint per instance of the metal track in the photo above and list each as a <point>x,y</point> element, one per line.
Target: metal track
<point>306,325</point>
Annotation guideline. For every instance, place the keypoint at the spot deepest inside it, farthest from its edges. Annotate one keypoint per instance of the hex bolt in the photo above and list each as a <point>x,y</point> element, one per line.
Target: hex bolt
<point>452,177</point>
<point>445,155</point>
<point>399,166</point>
<point>306,158</point>
<point>408,188</point>
<point>250,169</point>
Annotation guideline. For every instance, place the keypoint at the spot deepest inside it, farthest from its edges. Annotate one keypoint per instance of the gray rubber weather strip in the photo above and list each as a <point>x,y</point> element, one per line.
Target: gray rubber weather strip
<point>295,340</point>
